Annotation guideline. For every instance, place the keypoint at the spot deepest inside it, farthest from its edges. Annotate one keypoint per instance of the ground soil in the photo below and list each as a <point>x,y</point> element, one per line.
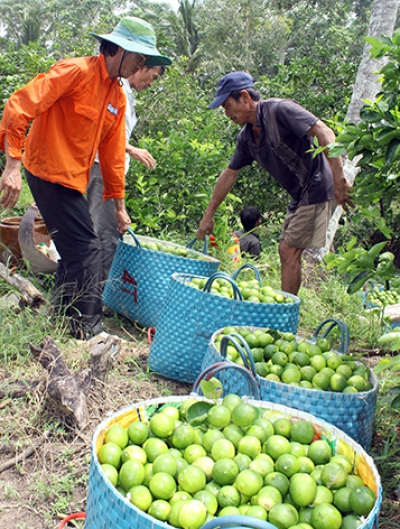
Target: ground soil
<point>56,474</point>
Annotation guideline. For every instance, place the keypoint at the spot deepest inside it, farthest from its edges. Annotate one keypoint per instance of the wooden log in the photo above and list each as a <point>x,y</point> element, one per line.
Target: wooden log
<point>104,351</point>
<point>65,390</point>
<point>30,294</point>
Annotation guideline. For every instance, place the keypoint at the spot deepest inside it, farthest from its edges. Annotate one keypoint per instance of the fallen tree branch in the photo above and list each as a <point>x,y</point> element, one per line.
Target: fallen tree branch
<point>30,294</point>
<point>29,450</point>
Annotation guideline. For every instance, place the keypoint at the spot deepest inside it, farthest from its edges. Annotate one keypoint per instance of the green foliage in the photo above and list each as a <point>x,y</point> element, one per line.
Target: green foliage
<point>360,265</point>
<point>374,144</point>
<point>391,339</point>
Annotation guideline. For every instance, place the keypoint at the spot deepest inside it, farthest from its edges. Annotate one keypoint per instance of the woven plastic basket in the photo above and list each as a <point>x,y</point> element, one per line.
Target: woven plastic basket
<point>190,317</point>
<point>138,281</point>
<point>237,522</point>
<point>106,508</point>
<point>351,412</point>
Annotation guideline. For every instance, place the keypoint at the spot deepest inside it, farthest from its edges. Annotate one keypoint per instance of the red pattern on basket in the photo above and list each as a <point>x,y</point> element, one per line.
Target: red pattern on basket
<point>127,278</point>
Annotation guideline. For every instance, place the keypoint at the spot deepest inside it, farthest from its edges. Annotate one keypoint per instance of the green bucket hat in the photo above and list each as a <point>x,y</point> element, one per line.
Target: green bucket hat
<point>137,36</point>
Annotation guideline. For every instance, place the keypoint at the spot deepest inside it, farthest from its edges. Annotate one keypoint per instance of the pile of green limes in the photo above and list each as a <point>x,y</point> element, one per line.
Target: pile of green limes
<point>235,459</point>
<point>282,357</point>
<point>251,290</point>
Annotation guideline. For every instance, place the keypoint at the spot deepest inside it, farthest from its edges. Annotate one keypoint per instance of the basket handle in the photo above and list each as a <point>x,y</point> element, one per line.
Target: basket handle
<point>344,332</point>
<point>136,240</point>
<point>222,275</point>
<point>242,348</point>
<point>237,522</point>
<point>190,244</point>
<point>213,369</point>
<point>244,266</point>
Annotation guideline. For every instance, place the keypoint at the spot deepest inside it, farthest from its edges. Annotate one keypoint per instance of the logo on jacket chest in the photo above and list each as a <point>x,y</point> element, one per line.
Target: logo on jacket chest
<point>112,109</point>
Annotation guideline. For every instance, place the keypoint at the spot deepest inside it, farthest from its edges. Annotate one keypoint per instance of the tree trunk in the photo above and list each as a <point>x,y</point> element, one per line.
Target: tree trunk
<point>366,86</point>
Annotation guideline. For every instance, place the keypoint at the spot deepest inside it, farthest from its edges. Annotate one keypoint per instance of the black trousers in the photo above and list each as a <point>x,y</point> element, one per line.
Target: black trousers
<point>78,286</point>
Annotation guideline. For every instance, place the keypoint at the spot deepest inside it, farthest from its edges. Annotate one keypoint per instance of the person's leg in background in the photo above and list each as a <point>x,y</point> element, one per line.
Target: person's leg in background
<point>104,221</point>
<point>78,277</point>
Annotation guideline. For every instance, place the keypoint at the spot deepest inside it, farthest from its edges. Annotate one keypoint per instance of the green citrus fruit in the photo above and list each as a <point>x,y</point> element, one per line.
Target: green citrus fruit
<point>302,490</point>
<point>118,435</point>
<point>343,460</point>
<point>159,509</point>
<point>228,496</point>
<point>111,473</point>
<point>324,495</point>
<point>134,452</point>
<point>341,499</point>
<point>353,481</point>
<point>362,500</point>
<point>219,416</point>
<point>321,381</point>
<point>231,400</point>
<point>338,382</point>
<point>276,445</point>
<point>223,448</point>
<point>256,511</point>
<point>141,497</point>
<point>161,425</point>
<point>191,479</point>
<point>302,431</point>
<point>131,473</point>
<point>279,481</point>
<point>333,476</point>
<point>193,452</point>
<point>154,447</point>
<point>242,461</point>
<point>319,452</point>
<point>249,482</point>
<point>225,471</point>
<point>208,499</point>
<point>110,453</point>
<point>268,496</point>
<point>210,437</point>
<point>183,436</point>
<point>298,449</point>
<point>248,445</point>
<point>326,516</point>
<point>282,426</point>
<point>174,512</point>
<point>287,464</point>
<point>283,515</point>
<point>206,464</point>
<point>192,515</point>
<point>306,465</point>
<point>171,411</point>
<point>351,521</point>
<point>162,486</point>
<point>165,463</point>
<point>262,466</point>
<point>243,415</point>
<point>180,495</point>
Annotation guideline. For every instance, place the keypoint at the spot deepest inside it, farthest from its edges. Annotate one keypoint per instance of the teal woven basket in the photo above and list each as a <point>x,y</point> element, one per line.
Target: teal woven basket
<point>351,412</point>
<point>190,317</point>
<point>138,281</point>
<point>106,508</point>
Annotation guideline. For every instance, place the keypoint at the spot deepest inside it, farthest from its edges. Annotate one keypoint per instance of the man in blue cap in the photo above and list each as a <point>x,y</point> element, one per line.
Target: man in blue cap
<point>278,134</point>
<point>72,112</point>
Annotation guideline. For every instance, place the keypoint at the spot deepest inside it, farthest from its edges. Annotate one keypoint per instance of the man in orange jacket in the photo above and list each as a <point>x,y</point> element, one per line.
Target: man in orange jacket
<point>76,109</point>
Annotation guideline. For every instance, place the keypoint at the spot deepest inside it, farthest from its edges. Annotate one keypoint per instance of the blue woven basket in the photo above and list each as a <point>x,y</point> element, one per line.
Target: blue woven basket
<point>351,412</point>
<point>190,317</point>
<point>106,508</point>
<point>138,281</point>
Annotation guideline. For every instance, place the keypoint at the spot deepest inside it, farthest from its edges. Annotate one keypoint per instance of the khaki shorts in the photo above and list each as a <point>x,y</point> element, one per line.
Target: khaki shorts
<point>307,227</point>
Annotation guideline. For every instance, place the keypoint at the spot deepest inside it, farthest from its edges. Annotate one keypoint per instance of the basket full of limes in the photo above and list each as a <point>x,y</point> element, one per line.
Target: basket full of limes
<point>304,373</point>
<point>197,306</point>
<point>140,273</point>
<point>183,461</point>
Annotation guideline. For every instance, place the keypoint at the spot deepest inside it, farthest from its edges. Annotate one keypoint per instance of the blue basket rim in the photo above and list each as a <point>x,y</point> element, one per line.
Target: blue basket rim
<point>309,392</point>
<point>292,412</point>
<point>206,258</point>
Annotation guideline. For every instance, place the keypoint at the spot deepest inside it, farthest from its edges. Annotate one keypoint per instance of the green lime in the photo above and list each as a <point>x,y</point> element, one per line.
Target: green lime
<point>192,515</point>
<point>282,426</point>
<point>110,453</point>
<point>351,521</point>
<point>341,500</point>
<point>160,510</point>
<point>191,479</point>
<point>319,452</point>
<point>210,437</point>
<point>225,471</point>
<point>276,445</point>
<point>228,496</point>
<point>154,447</point>
<point>161,425</point>
<point>131,473</point>
<point>279,481</point>
<point>338,382</point>
<point>302,490</point>
<point>362,500</point>
<point>223,448</point>
<point>287,464</point>
<point>141,497</point>
<point>162,486</point>
<point>118,435</point>
<point>111,473</point>
<point>193,452</point>
<point>248,445</point>
<point>333,476</point>
<point>183,436</point>
<point>231,400</point>
<point>302,431</point>
<point>219,416</point>
<point>326,516</point>
<point>256,511</point>
<point>283,515</point>
<point>138,432</point>
<point>208,499</point>
<point>244,415</point>
<point>268,496</point>
<point>165,463</point>
<point>249,482</point>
